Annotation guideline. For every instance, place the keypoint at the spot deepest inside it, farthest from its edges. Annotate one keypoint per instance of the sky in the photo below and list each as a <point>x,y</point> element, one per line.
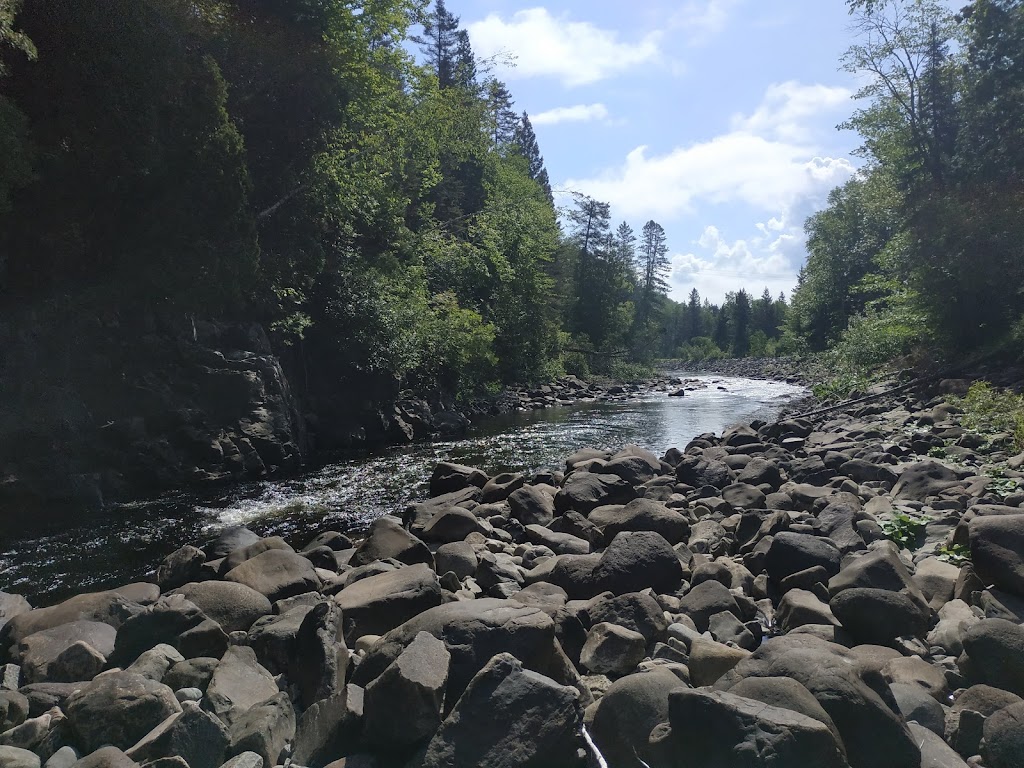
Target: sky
<point>715,118</point>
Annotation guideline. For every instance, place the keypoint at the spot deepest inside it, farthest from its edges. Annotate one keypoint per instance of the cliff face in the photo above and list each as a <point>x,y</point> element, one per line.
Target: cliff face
<point>96,407</point>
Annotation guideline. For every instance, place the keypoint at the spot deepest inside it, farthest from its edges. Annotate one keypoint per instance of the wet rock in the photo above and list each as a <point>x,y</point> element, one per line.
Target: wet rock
<point>238,684</point>
<point>197,736</point>
<point>638,560</point>
<point>627,713</point>
<point>234,606</point>
<point>508,717</point>
<point>612,650</point>
<point>388,539</point>
<point>277,574</point>
<point>118,708</point>
<point>708,728</point>
<point>414,683</point>
<point>378,604</point>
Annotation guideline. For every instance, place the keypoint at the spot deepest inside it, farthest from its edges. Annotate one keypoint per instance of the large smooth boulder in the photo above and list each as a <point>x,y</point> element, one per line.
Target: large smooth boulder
<point>266,729</point>
<point>330,728</point>
<point>234,606</point>
<point>448,477</point>
<point>387,539</point>
<point>786,693</point>
<point>377,604</point>
<point>857,699</point>
<point>459,557</point>
<point>230,539</point>
<point>705,600</point>
<point>473,631</point>
<point>559,543</point>
<point>173,621</point>
<point>997,550</point>
<point>531,506</point>
<point>182,566</point>
<point>239,556</point>
<point>637,560</point>
<point>712,728</point>
<point>452,524</point>
<point>637,611</point>
<point>414,684</point>
<point>15,757</point>
<point>508,717</point>
<point>627,713</point>
<point>922,480</point>
<point>799,607</point>
<point>41,651</point>
<point>935,753</point>
<point>982,699</point>
<point>878,616</point>
<point>118,708</point>
<point>197,736</point>
<point>994,654</point>
<point>273,638</point>
<point>1004,738</point>
<point>612,650</point>
<point>586,491</point>
<point>791,553</point>
<point>573,573</point>
<point>277,574</point>
<point>12,605</point>
<point>238,684</point>
<point>641,515</point>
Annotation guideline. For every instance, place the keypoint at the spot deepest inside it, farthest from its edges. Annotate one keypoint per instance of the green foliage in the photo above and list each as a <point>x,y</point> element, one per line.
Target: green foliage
<point>954,554</point>
<point>988,410</point>
<point>904,530</point>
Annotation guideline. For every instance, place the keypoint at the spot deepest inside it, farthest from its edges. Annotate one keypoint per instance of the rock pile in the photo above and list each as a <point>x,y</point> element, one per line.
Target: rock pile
<point>733,603</point>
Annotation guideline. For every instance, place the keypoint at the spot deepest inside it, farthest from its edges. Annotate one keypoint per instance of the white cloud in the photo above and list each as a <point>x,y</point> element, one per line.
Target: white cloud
<point>575,52</point>
<point>704,19</point>
<point>580,113</point>
<point>789,109</point>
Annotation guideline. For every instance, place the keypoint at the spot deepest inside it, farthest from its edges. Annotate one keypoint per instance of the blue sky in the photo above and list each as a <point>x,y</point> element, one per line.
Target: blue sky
<point>716,118</point>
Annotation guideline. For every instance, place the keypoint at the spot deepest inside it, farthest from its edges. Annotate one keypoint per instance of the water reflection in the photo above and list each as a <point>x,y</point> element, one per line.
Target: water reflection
<point>124,542</point>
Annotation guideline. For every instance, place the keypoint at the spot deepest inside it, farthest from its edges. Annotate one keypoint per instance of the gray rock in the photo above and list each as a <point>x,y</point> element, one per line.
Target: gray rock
<point>238,556</point>
<point>955,618</point>
<point>11,605</point>
<point>197,736</point>
<point>473,631</point>
<point>459,557</point>
<point>743,496</point>
<point>238,684</point>
<point>1004,737</point>
<point>378,604</point>
<point>585,491</point>
<point>452,524</point>
<point>244,760</point>
<point>277,574</point>
<point>936,580</point>
<point>14,709</point>
<point>448,477</point>
<point>320,660</point>
<point>191,673</point>
<point>711,728</point>
<point>997,551</point>
<point>234,606</point>
<point>65,757</point>
<point>559,543</point>
<point>531,506</point>
<point>705,600</point>
<point>878,616</point>
<point>915,703</point>
<point>791,553</point>
<point>994,654</point>
<point>118,708</point>
<point>612,650</point>
<point>329,728</point>
<point>265,729</point>
<point>500,486</point>
<point>414,684</point>
<point>981,699</point>
<point>627,713</point>
<point>180,567</point>
<point>156,662</point>
<point>788,694</point>
<point>508,717</point>
<point>40,650</point>
<point>709,660</point>
<point>636,611</point>
<point>799,607</point>
<point>273,638</point>
<point>388,539</point>
<point>79,661</point>
<point>173,621</point>
<point>935,753</point>
<point>106,757</point>
<point>230,539</point>
<point>642,515</point>
<point>13,757</point>
<point>637,560</point>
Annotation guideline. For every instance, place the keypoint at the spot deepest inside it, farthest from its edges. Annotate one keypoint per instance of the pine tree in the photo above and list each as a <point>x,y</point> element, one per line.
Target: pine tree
<point>504,123</point>
<point>694,310</point>
<point>526,141</point>
<point>442,44</point>
<point>741,324</point>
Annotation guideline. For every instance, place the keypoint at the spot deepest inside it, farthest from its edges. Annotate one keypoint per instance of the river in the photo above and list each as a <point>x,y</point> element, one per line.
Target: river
<point>68,553</point>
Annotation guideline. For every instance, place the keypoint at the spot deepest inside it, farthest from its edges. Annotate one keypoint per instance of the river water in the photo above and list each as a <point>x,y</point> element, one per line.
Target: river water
<point>68,553</point>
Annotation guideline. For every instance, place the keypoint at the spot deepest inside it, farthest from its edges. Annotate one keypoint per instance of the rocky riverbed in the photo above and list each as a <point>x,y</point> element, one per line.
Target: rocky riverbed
<point>738,601</point>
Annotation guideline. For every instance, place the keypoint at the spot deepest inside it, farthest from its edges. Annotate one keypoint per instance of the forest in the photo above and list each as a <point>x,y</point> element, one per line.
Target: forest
<point>352,177</point>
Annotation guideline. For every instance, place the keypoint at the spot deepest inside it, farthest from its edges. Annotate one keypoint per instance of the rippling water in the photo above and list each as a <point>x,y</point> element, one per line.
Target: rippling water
<point>74,552</point>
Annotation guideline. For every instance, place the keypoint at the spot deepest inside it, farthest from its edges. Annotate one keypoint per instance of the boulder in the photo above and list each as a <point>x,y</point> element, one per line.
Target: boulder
<point>699,472</point>
<point>234,606</point>
<point>744,496</point>
<point>923,480</point>
<point>41,652</point>
<point>641,515</point>
<point>637,560</point>
<point>710,660</point>
<point>531,506</point>
<point>878,616</point>
<point>452,524</point>
<point>627,713</point>
<point>197,736</point>
<point>118,709</point>
<point>585,491</point>
<point>637,611</point>
<point>559,543</point>
<point>180,567</point>
<point>14,757</point>
<point>612,650</point>
<point>378,604</point>
<point>171,620</point>
<point>981,699</point>
<point>1004,737</point>
<point>997,551</point>
<point>191,673</point>
<point>799,607</point>
<point>320,658</point>
<point>448,477</point>
<point>935,753</point>
<point>473,631</point>
<point>573,573</point>
<point>508,717</point>
<point>915,703</point>
<point>155,663</point>
<point>273,638</point>
<point>413,684</point>
<point>500,486</point>
<point>705,600</point>
<point>936,580</point>
<point>277,574</point>
<point>458,557</point>
<point>12,605</point>
<point>791,553</point>
<point>238,684</point>
<point>786,693</point>
<point>230,539</point>
<point>241,555</point>
<point>330,728</point>
<point>712,728</point>
<point>387,539</point>
<point>994,654</point>
<point>14,709</point>
<point>265,729</point>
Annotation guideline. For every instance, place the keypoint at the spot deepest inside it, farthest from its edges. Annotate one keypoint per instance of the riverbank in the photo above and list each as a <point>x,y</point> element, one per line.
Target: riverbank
<point>839,590</point>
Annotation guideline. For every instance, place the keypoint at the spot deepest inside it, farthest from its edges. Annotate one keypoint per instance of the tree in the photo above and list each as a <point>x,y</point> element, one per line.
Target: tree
<point>741,324</point>
<point>504,123</point>
<point>526,142</point>
<point>696,327</point>
<point>444,45</point>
